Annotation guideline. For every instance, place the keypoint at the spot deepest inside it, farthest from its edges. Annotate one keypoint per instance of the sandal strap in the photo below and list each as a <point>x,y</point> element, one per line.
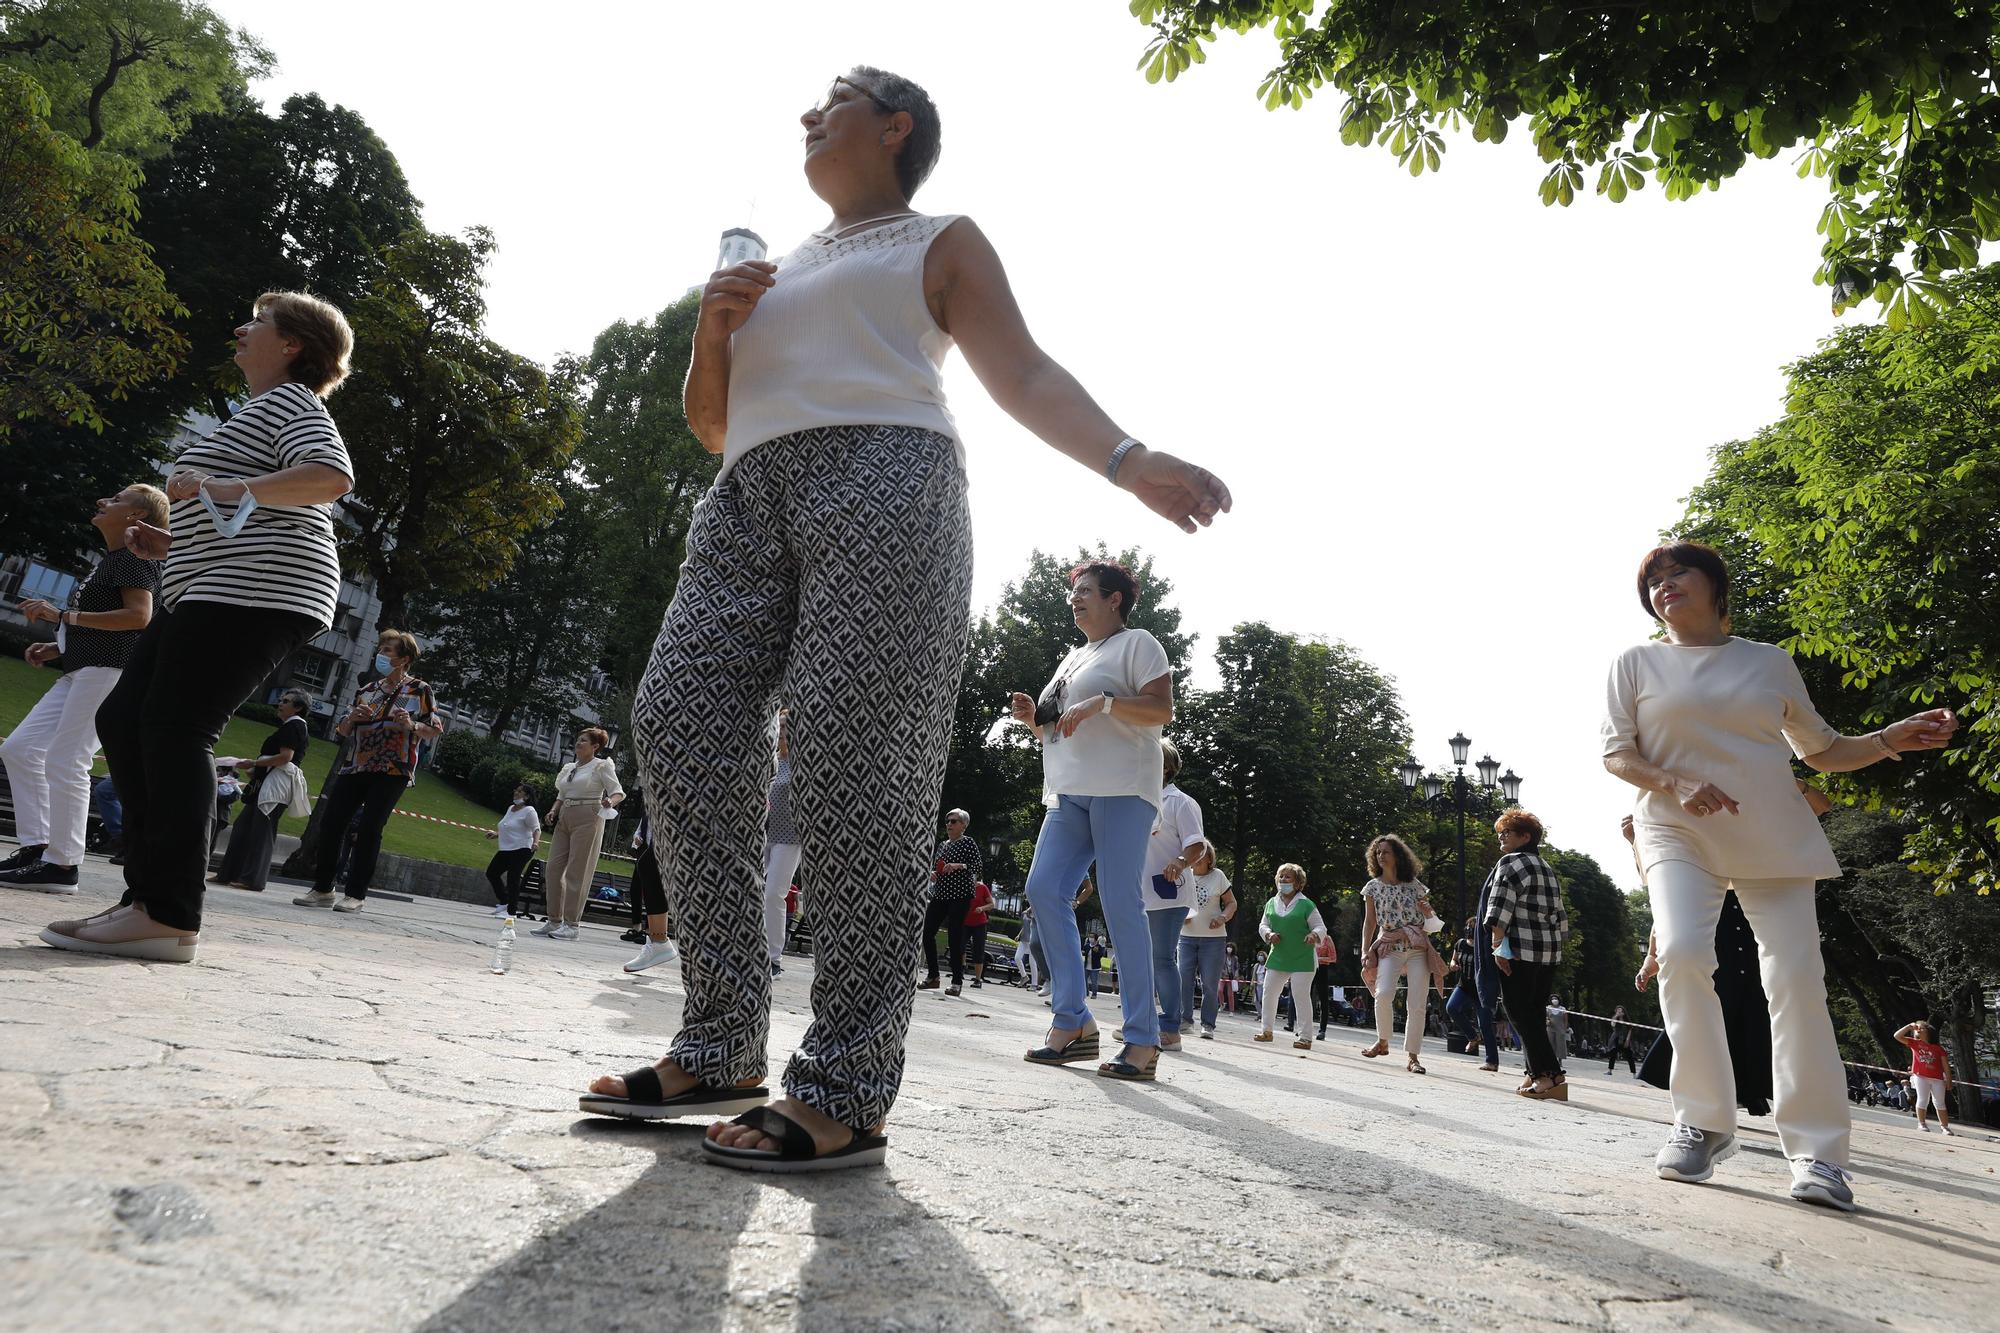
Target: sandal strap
<point>643,1086</point>
<point>794,1142</point>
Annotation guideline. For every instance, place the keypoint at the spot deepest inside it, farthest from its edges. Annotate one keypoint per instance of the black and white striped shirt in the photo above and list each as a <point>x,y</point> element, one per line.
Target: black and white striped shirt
<point>284,558</point>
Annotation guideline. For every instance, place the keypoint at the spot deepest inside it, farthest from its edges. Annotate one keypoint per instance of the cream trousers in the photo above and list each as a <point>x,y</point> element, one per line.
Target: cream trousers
<point>1808,1085</point>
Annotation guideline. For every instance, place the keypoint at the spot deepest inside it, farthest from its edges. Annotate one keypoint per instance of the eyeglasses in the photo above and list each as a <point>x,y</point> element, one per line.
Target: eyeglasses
<point>834,96</point>
<point>1089,588</point>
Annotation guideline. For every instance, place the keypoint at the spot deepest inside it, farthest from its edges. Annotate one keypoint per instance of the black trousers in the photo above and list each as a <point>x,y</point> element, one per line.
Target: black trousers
<point>247,858</point>
<point>975,948</point>
<point>1624,1048</point>
<point>191,668</point>
<point>646,879</point>
<point>1526,990</point>
<point>951,916</point>
<point>373,796</point>
<point>505,871</point>
<point>1322,995</point>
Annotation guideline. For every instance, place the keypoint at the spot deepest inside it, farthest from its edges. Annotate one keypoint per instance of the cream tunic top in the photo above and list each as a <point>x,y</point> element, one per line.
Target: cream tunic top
<point>1733,714</point>
<point>591,781</point>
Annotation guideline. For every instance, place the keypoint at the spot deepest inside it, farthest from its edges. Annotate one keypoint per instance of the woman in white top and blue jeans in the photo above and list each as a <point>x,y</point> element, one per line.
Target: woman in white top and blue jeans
<point>1099,723</point>
<point>1706,725</point>
<point>831,563</point>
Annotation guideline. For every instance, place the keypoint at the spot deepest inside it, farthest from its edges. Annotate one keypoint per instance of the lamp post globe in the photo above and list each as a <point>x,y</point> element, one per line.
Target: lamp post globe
<point>1510,785</point>
<point>1461,745</point>
<point>1489,769</point>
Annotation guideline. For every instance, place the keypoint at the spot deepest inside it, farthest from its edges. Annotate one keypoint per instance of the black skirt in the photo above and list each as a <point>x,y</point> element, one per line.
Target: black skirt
<point>1746,1014</point>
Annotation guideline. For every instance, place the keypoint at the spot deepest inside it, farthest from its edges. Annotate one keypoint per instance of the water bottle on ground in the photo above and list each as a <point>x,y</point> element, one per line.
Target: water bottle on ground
<point>503,948</point>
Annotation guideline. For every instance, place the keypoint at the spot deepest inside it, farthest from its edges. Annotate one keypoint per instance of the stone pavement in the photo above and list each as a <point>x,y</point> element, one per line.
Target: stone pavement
<point>347,1122</point>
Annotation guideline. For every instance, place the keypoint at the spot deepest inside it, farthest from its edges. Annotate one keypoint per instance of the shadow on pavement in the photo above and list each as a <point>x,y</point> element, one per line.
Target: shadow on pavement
<point>1497,1218</point>
<point>693,1246</point>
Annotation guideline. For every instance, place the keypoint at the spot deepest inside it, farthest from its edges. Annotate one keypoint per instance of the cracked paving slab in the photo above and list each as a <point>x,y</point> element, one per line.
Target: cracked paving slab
<point>350,1123</point>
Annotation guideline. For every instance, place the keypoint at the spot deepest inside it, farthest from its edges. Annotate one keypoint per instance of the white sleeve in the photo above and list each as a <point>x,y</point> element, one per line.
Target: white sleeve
<point>1620,728</point>
<point>1805,730</point>
<point>1190,822</point>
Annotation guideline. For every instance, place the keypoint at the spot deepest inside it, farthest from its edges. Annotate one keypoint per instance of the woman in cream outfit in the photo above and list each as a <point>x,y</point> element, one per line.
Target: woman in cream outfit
<point>1706,725</point>
<point>586,787</point>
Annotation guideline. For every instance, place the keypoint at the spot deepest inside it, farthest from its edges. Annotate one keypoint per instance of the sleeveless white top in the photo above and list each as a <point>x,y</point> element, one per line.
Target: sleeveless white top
<point>844,338</point>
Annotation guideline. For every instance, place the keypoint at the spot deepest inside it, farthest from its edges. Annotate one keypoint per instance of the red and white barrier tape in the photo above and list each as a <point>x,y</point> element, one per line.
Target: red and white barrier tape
<point>1851,1064</point>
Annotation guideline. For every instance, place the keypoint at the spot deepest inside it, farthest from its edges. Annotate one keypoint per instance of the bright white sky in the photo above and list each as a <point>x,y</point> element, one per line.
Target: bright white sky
<point>1452,419</point>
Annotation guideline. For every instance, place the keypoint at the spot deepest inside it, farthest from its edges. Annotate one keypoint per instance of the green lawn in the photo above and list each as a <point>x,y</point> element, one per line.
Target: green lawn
<point>22,685</point>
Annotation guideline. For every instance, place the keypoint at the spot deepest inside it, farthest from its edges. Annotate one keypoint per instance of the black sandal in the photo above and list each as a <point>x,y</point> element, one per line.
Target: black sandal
<point>1081,1047</point>
<point>1128,1072</point>
<point>645,1099</point>
<point>796,1150</point>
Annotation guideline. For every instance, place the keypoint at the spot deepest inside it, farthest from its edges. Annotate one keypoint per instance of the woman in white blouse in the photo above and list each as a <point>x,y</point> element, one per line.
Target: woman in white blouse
<point>1706,725</point>
<point>586,788</point>
<point>1395,905</point>
<point>1099,723</point>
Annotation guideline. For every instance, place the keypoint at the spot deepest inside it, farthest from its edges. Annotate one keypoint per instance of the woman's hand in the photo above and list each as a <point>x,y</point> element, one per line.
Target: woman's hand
<point>1077,714</point>
<point>1187,496</point>
<point>34,608</point>
<point>1647,971</point>
<point>402,719</point>
<point>40,654</point>
<point>148,542</point>
<point>1930,730</point>
<point>1700,798</point>
<point>492,833</point>
<point>185,484</point>
<point>1506,965</point>
<point>731,294</point>
<point>224,492</point>
<point>1021,708</point>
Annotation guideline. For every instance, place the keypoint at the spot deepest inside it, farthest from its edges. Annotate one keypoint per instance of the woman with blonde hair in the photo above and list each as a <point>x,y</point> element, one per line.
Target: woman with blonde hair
<point>48,754</point>
<point>587,794</point>
<point>1394,945</point>
<point>251,574</point>
<point>1292,927</point>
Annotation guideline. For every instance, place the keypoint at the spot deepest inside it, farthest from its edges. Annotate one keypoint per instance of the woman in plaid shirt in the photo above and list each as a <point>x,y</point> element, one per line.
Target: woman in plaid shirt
<point>1525,915</point>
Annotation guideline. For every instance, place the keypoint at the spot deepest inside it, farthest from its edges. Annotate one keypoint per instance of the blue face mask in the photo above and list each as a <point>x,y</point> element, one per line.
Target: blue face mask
<point>232,525</point>
<point>383,666</point>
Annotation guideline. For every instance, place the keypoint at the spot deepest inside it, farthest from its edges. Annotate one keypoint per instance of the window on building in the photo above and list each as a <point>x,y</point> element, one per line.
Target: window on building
<point>51,585</point>
<point>313,670</point>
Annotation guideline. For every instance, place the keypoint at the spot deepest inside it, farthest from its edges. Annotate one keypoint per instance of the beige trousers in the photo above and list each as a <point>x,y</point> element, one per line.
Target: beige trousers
<point>579,835</point>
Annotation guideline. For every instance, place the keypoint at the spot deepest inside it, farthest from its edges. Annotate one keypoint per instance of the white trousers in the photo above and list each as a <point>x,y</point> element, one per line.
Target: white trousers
<point>1024,963</point>
<point>781,862</point>
<point>48,763</point>
<point>1416,964</point>
<point>1302,1000</point>
<point>1930,1090</point>
<point>1809,1087</point>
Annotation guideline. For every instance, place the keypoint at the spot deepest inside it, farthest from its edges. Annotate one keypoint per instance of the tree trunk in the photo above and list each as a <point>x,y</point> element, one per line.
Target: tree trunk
<point>1964,1037</point>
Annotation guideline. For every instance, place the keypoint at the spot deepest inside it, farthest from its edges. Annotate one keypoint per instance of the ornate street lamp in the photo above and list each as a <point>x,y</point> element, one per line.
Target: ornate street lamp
<point>1413,776</point>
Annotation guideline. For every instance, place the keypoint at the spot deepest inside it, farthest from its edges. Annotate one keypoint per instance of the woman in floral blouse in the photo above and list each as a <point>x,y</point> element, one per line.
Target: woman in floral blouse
<point>392,716</point>
<point>1395,905</point>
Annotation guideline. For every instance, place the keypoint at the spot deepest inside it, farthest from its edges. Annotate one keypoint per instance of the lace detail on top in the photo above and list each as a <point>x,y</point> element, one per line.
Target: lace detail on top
<point>813,252</point>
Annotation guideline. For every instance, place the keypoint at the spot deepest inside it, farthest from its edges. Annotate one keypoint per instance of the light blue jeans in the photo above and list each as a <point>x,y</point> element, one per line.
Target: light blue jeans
<point>1203,952</point>
<point>1112,831</point>
<point>1165,925</point>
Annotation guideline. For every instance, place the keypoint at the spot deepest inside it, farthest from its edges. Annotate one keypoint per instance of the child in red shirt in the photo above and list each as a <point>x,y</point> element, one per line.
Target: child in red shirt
<point>1930,1072</point>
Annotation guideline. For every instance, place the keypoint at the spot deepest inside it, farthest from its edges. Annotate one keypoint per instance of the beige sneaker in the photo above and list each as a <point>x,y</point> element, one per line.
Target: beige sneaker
<point>73,926</point>
<point>314,899</point>
<point>129,933</point>
<point>348,905</point>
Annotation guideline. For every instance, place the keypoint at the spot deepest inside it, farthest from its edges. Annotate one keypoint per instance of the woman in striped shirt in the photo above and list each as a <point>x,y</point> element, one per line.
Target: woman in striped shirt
<point>251,574</point>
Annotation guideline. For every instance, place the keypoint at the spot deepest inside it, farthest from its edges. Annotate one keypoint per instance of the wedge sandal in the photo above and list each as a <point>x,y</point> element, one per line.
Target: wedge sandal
<point>1083,1046</point>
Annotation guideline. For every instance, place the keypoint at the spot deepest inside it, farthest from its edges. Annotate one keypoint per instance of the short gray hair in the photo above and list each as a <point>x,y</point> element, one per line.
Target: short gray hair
<point>960,815</point>
<point>920,148</point>
<point>298,699</point>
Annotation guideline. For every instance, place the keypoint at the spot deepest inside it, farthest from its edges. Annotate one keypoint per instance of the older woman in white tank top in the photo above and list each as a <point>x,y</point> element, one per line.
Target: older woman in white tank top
<point>832,563</point>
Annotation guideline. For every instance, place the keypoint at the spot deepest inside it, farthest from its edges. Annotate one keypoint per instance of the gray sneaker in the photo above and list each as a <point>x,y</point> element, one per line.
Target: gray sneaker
<point>1691,1154</point>
<point>314,899</point>
<point>1823,1183</point>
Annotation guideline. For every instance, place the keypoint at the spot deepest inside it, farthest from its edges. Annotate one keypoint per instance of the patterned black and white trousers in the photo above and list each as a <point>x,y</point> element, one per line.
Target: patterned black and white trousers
<point>832,569</point>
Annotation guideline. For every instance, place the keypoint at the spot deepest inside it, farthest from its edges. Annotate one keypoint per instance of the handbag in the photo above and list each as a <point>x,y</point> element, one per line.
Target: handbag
<point>1325,951</point>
